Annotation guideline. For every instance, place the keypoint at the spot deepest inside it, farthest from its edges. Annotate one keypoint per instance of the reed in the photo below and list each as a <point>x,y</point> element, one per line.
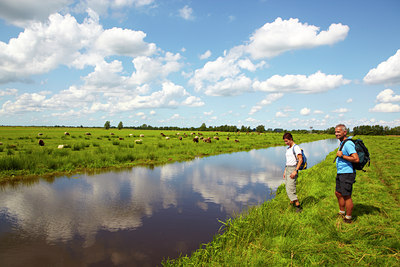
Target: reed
<point>272,234</point>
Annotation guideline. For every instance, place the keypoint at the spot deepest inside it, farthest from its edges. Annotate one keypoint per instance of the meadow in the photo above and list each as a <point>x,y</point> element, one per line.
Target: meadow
<point>273,234</point>
<point>91,149</point>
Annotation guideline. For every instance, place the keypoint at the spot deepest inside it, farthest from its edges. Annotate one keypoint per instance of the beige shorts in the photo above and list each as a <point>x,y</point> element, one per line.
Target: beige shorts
<point>290,183</point>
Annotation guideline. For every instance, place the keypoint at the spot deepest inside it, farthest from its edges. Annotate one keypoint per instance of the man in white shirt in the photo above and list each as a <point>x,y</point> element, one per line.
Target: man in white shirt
<point>294,159</point>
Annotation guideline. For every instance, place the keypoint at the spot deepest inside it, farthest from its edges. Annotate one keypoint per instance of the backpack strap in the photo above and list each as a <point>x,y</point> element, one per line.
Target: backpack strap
<point>341,147</point>
<point>294,153</point>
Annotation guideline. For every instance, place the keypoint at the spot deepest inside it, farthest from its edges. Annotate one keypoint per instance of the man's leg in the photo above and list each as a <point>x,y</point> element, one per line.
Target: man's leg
<point>348,204</point>
<point>341,201</point>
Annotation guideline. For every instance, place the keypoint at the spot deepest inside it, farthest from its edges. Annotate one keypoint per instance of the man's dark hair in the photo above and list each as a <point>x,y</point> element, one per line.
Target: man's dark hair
<point>288,136</point>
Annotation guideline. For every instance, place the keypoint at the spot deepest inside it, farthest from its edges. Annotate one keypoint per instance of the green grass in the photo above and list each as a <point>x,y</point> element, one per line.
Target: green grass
<point>272,234</point>
<point>21,156</point>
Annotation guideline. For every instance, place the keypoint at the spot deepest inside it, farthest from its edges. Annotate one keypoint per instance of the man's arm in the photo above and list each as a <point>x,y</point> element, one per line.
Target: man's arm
<point>352,158</point>
<point>300,158</point>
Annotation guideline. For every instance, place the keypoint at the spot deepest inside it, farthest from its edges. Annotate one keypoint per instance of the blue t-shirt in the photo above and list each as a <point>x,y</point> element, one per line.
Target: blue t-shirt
<point>342,165</point>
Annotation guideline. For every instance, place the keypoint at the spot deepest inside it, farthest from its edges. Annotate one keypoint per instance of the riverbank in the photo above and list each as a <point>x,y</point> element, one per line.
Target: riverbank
<point>273,234</point>
<point>72,150</point>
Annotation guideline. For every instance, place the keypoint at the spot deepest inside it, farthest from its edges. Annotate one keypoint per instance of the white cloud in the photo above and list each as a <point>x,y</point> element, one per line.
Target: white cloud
<point>271,98</point>
<point>280,36</point>
<point>103,6</point>
<point>267,101</point>
<point>208,113</point>
<point>193,101</point>
<point>318,112</point>
<point>186,12</point>
<point>148,69</point>
<point>175,116</point>
<point>90,99</point>
<point>386,107</point>
<point>251,120</point>
<point>255,109</point>
<point>387,96</point>
<point>341,110</point>
<point>305,111</point>
<point>349,100</point>
<point>8,91</point>
<point>230,86</point>
<point>43,47</point>
<point>268,41</point>
<point>212,71</point>
<point>22,11</point>
<point>206,55</point>
<point>387,72</point>
<point>124,42</point>
<point>281,114</point>
<point>315,83</point>
<point>24,103</point>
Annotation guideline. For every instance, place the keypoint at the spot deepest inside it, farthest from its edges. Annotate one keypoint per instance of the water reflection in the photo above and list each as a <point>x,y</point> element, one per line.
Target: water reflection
<point>137,216</point>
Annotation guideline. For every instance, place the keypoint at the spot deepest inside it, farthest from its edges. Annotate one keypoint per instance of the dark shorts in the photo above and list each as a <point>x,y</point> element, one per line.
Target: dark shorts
<point>344,183</point>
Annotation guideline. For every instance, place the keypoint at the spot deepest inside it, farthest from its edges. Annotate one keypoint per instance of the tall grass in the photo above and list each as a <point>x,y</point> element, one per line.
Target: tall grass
<point>272,234</point>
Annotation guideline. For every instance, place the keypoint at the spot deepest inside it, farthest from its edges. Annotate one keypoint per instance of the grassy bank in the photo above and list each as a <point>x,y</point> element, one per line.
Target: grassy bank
<point>272,234</point>
<point>95,148</point>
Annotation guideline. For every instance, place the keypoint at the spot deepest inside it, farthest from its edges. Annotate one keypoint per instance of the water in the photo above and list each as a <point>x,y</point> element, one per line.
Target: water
<point>139,216</point>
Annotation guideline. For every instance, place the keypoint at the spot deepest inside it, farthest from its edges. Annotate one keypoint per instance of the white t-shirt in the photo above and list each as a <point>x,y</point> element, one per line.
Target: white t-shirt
<point>290,159</point>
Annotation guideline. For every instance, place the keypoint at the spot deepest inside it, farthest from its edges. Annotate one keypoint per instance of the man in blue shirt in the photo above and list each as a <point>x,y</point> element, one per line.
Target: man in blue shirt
<point>346,175</point>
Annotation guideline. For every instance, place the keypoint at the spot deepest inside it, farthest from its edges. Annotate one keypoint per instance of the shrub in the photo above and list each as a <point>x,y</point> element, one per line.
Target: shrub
<point>78,146</point>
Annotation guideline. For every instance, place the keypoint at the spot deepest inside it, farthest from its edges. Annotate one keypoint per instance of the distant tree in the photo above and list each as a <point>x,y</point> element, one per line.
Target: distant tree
<point>120,125</point>
<point>260,128</point>
<point>107,125</point>
<point>330,130</point>
<point>203,127</point>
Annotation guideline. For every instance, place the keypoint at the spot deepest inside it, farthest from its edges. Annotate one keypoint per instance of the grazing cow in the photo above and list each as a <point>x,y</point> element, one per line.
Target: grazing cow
<point>88,134</point>
<point>40,134</point>
<point>142,135</point>
<point>121,138</point>
<point>196,139</point>
<point>216,137</point>
<point>236,140</point>
<point>163,135</point>
<point>41,142</point>
<point>111,133</point>
<point>66,133</point>
<point>207,140</point>
<point>138,141</point>
<point>167,138</point>
<point>227,138</point>
<point>180,137</point>
<point>60,146</point>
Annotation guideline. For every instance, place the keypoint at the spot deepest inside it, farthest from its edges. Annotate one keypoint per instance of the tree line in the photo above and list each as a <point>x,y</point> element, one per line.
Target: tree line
<point>358,130</point>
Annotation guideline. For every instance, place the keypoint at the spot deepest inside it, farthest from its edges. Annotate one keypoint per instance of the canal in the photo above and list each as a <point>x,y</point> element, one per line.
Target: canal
<point>139,216</point>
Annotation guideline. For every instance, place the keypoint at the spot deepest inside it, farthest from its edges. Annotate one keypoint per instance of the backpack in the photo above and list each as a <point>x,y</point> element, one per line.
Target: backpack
<point>362,152</point>
<point>303,165</point>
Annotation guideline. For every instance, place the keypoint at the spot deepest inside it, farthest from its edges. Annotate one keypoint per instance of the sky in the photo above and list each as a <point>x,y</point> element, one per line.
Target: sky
<point>292,64</point>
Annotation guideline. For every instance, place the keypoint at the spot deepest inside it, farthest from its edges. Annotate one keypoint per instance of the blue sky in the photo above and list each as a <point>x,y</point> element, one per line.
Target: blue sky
<point>291,64</point>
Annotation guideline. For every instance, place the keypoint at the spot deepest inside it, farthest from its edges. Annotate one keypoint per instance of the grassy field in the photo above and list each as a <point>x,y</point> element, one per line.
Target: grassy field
<point>272,234</point>
<point>21,156</point>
